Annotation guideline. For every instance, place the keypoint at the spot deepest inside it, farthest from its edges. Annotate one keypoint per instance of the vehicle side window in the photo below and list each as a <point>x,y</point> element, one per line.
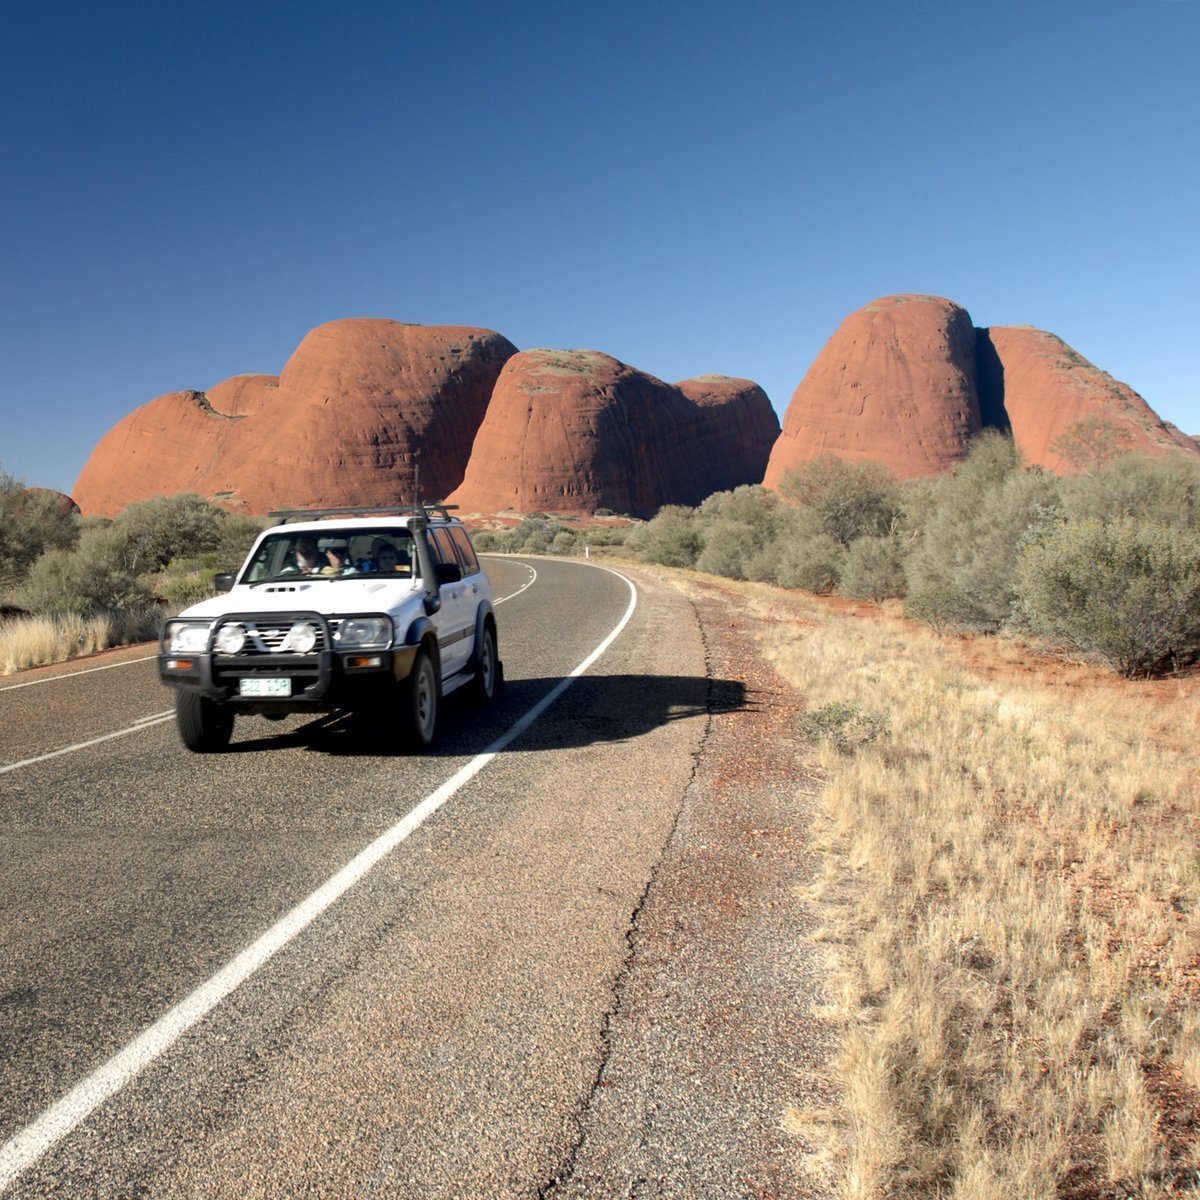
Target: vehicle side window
<point>440,545</point>
<point>466,552</point>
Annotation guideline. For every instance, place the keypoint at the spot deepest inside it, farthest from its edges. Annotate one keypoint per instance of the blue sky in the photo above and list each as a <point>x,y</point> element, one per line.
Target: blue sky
<point>693,188</point>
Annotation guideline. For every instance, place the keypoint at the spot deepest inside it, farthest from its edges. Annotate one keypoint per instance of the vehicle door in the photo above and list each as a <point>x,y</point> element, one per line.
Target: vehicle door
<point>456,617</point>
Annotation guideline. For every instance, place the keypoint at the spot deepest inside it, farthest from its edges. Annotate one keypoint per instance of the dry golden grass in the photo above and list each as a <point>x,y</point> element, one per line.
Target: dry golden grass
<point>1011,905</point>
<point>35,641</point>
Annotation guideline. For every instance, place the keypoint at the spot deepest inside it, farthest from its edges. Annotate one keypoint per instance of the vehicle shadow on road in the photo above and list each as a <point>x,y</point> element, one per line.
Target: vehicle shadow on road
<point>594,709</point>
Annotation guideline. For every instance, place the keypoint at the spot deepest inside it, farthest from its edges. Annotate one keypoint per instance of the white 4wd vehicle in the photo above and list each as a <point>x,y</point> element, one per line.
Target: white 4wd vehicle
<point>379,611</point>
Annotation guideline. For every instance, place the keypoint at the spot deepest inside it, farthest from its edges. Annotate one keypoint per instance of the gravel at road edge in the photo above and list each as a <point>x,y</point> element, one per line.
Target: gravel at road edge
<point>713,1035</point>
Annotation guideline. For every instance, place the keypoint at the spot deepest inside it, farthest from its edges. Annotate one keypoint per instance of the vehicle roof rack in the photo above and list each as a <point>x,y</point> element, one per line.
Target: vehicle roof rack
<point>425,509</point>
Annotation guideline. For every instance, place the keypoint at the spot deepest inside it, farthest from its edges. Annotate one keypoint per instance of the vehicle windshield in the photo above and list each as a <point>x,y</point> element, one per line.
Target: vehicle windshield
<point>333,554</point>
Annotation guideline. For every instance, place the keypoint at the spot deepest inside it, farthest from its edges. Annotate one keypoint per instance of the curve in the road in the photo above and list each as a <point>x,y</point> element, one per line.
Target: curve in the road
<point>64,1115</point>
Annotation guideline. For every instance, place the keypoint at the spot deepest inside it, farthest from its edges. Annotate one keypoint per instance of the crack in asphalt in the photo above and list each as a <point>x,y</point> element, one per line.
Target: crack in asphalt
<point>566,1168</point>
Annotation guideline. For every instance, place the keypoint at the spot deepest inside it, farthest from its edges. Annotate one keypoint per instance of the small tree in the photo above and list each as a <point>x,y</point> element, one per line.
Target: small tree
<point>32,521</point>
<point>873,569</point>
<point>1092,442</point>
<point>165,527</point>
<point>1126,590</point>
<point>90,578</point>
<point>671,538</point>
<point>851,500</point>
<point>967,533</point>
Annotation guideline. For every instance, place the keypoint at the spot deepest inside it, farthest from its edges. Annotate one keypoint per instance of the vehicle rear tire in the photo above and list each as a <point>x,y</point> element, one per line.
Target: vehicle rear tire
<point>489,674</point>
<point>205,726</point>
<point>420,693</point>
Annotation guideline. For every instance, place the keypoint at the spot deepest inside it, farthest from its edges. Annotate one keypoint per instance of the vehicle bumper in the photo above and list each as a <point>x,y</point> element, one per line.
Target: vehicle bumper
<point>320,681</point>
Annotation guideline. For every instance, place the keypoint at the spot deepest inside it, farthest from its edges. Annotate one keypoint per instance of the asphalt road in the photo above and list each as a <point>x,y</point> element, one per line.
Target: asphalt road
<point>437,1029</point>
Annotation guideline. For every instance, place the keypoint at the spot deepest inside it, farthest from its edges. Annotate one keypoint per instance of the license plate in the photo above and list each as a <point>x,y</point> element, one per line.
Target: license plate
<point>265,687</point>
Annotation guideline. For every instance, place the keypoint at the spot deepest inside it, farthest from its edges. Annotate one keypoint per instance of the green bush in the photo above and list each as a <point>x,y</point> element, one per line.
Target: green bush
<point>1160,487</point>
<point>163,528</point>
<point>31,523</point>
<point>967,530</point>
<point>90,578</point>
<point>849,500</point>
<point>812,562</point>
<point>1092,442</point>
<point>186,581</point>
<point>846,727</point>
<point>873,569</point>
<point>728,548</point>
<point>1125,590</point>
<point>671,538</point>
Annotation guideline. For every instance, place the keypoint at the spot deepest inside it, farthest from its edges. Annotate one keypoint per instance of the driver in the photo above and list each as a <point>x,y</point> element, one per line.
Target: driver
<point>336,553</point>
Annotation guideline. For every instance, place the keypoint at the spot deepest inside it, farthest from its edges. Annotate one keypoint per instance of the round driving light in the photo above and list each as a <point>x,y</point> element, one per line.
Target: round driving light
<point>301,638</point>
<point>230,639</point>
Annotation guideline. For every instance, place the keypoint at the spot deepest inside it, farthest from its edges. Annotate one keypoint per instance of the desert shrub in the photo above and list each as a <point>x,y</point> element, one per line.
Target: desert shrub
<point>850,500</point>
<point>87,579</point>
<point>846,727</point>
<point>236,536</point>
<point>873,569</point>
<point>812,562</point>
<point>967,536</point>
<point>1092,442</point>
<point>157,530</point>
<point>938,605</point>
<point>606,535</point>
<point>1160,487</point>
<point>564,541</point>
<point>729,546</point>
<point>671,538</point>
<point>30,524</point>
<point>186,580</point>
<point>751,505</point>
<point>1125,590</point>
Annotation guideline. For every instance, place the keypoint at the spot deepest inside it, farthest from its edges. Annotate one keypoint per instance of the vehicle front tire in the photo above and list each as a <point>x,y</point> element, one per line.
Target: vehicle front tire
<point>205,726</point>
<point>419,697</point>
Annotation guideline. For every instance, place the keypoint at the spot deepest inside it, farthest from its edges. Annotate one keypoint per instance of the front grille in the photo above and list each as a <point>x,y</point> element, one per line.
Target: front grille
<point>267,637</point>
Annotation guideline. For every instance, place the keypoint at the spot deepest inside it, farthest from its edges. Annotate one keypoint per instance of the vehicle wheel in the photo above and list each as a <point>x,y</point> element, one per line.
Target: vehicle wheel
<point>204,725</point>
<point>489,674</point>
<point>419,701</point>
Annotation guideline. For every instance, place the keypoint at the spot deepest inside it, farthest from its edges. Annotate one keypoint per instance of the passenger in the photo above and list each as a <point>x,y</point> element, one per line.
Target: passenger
<point>336,553</point>
<point>386,558</point>
<point>308,557</point>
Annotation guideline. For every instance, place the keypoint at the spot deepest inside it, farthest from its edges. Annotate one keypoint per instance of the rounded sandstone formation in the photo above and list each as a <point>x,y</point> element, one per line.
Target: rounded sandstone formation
<point>1047,391</point>
<point>362,408</point>
<point>738,429</point>
<point>577,430</point>
<point>161,448</point>
<point>895,384</point>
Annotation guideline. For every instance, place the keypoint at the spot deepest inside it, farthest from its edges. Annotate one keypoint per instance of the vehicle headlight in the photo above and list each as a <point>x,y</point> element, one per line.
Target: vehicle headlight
<point>300,639</point>
<point>187,637</point>
<point>361,632</point>
<point>230,639</point>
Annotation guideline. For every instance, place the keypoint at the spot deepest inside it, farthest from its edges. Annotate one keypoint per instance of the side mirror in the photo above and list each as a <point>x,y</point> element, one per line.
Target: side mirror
<point>223,582</point>
<point>447,573</point>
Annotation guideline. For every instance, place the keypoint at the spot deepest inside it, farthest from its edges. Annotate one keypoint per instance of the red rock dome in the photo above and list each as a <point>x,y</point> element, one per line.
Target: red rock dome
<point>1046,387</point>
<point>895,384</point>
<point>360,405</point>
<point>577,430</point>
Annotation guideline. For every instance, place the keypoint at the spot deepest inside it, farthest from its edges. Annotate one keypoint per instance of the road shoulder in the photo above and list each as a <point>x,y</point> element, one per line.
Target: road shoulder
<point>714,1036</point>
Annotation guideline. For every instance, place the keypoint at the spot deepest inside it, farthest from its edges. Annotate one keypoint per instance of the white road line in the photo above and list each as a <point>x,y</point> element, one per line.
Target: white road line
<point>64,1115</point>
<point>136,727</point>
<point>12,687</point>
<point>528,584</point>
